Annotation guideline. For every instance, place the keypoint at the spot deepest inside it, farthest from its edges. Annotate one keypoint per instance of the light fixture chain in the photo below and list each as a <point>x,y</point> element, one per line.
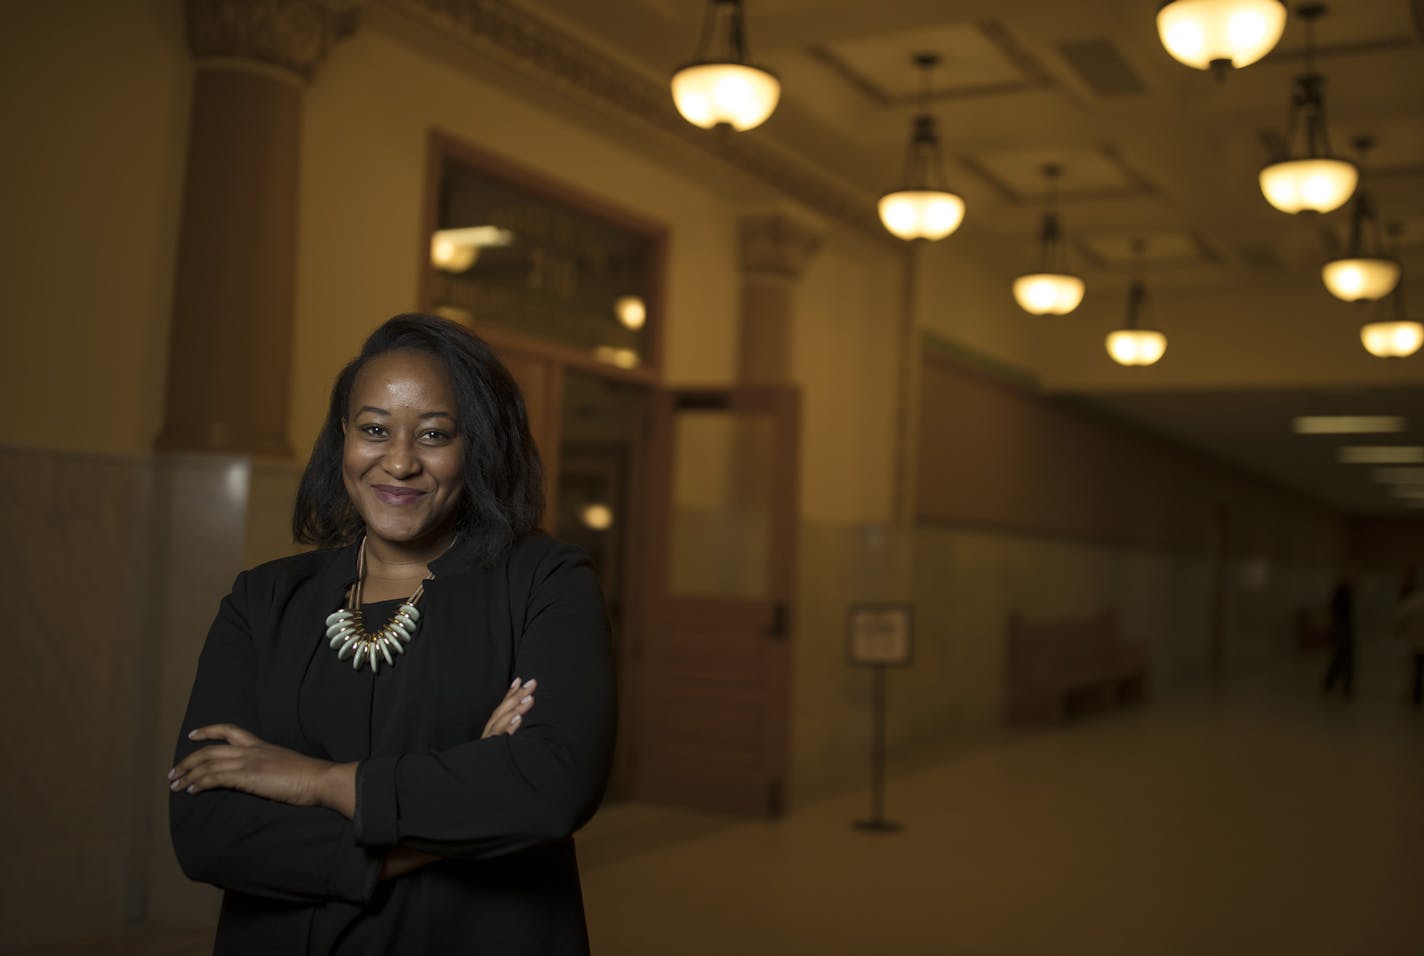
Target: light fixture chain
<point>738,51</point>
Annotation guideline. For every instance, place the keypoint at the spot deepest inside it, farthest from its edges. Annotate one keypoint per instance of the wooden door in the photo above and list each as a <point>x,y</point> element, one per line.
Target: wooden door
<point>711,714</point>
<point>541,380</point>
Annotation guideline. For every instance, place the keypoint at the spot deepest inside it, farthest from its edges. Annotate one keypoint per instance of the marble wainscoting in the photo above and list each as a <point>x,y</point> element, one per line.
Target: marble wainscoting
<point>118,564</point>
<point>964,584</point>
<point>838,565</point>
<point>78,555</point>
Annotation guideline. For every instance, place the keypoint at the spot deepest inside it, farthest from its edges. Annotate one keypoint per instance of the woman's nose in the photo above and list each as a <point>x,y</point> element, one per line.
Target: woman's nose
<point>401,460</point>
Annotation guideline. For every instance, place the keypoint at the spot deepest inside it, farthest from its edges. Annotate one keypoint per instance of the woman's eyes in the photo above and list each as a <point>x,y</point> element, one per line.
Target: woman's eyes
<point>431,436</point>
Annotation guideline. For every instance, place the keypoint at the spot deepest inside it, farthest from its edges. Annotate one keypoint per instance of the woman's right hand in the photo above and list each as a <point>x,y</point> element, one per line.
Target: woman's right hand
<point>507,716</point>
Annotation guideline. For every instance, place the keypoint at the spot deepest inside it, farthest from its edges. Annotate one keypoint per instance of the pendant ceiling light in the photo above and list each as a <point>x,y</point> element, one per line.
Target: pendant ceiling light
<point>1364,272</point>
<point>719,88</point>
<point>922,208</point>
<point>1220,35</point>
<point>1393,336</point>
<point>1132,344</point>
<point>1051,289</point>
<point>1315,180</point>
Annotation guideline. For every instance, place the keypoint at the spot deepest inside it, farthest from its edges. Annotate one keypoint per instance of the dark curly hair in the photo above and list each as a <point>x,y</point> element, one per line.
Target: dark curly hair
<point>504,493</point>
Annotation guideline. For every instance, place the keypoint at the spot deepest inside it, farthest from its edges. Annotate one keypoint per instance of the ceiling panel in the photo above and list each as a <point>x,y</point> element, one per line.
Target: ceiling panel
<point>970,60</point>
<point>1086,172</point>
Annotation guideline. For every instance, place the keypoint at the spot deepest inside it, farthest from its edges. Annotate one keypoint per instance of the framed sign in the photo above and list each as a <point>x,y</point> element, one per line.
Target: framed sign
<point>880,635</point>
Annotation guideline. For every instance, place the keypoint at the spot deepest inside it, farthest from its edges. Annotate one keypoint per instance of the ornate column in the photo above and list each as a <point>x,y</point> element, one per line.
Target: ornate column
<point>774,249</point>
<point>228,365</point>
<point>229,351</point>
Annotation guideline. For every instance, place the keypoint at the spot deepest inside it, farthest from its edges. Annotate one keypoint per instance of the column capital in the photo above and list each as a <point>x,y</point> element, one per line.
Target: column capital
<point>292,35</point>
<point>776,244</point>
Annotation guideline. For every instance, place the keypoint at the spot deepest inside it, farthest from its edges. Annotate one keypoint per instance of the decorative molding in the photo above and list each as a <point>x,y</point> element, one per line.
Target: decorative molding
<point>775,244</point>
<point>565,59</point>
<point>293,35</point>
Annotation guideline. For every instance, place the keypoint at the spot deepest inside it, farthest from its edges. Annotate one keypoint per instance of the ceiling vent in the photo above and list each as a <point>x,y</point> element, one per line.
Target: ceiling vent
<point>1102,68</point>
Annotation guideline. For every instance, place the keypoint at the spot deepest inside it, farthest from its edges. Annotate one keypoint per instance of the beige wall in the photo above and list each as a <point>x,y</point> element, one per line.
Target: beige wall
<point>1002,455</point>
<point>94,100</point>
<point>957,299</point>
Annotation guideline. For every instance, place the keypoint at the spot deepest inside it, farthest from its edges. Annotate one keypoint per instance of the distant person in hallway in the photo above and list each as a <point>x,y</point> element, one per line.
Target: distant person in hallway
<point>363,768</point>
<point>1409,625</point>
<point>1342,637</point>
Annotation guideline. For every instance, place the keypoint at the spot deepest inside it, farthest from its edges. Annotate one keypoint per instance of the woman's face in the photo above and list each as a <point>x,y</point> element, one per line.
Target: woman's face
<point>404,455</point>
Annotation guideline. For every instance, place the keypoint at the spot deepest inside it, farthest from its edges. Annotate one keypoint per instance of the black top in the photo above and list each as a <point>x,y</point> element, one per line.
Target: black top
<point>500,811</point>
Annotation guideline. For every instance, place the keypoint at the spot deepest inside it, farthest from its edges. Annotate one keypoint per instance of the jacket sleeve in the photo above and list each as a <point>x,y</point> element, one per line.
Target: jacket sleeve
<point>250,844</point>
<point>504,793</point>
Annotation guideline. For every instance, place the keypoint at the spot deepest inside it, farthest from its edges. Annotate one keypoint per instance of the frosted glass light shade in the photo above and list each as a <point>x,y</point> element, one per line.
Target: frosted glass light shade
<point>740,96</point>
<point>1394,339</point>
<point>921,214</point>
<point>1361,279</point>
<point>1317,184</point>
<point>1136,346</point>
<point>1048,293</point>
<point>1202,33</point>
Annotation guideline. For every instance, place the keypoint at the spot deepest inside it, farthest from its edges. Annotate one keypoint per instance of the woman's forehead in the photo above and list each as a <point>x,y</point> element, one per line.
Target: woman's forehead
<point>406,376</point>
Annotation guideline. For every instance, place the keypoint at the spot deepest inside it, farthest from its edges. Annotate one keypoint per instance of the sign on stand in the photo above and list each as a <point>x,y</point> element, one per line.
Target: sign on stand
<point>879,636</point>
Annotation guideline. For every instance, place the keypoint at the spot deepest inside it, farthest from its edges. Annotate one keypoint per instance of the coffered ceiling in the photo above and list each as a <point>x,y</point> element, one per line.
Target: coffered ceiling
<point>1150,150</point>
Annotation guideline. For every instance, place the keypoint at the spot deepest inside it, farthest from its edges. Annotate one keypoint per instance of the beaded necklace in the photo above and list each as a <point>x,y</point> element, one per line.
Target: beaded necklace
<point>346,628</point>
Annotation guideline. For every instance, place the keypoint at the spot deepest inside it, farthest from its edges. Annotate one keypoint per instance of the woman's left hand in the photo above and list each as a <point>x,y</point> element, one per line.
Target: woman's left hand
<point>242,761</point>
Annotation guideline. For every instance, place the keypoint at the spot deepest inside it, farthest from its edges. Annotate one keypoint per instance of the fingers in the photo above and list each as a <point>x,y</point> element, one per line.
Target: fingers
<point>234,740</point>
<point>511,710</point>
<point>210,775</point>
<point>232,733</point>
<point>200,757</point>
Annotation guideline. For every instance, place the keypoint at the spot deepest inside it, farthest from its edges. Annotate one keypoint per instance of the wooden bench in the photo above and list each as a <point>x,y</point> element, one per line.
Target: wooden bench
<point>1056,668</point>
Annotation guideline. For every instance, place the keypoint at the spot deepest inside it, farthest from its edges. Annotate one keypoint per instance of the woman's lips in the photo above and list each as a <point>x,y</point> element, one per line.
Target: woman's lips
<point>396,495</point>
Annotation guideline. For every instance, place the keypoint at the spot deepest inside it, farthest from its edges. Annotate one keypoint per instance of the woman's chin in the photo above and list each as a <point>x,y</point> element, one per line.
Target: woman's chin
<point>406,534</point>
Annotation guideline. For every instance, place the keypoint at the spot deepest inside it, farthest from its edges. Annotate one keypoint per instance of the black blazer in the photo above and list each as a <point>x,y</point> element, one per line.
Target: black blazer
<point>500,811</point>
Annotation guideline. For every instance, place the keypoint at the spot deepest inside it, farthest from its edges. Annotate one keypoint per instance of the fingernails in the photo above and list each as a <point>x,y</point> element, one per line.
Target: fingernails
<point>192,735</point>
<point>172,773</point>
<point>175,786</point>
<point>514,684</point>
<point>526,698</point>
<point>530,683</point>
<point>514,721</point>
<point>192,789</point>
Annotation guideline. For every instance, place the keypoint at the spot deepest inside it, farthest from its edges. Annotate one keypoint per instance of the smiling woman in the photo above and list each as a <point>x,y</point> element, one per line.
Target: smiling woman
<point>403,455</point>
<point>347,808</point>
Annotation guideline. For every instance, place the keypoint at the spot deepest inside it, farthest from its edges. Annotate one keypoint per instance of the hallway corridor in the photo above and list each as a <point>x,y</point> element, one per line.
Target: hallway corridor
<point>1261,820</point>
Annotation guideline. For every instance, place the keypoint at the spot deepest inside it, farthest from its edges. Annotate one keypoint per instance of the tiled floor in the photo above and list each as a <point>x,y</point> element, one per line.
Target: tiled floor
<point>1261,819</point>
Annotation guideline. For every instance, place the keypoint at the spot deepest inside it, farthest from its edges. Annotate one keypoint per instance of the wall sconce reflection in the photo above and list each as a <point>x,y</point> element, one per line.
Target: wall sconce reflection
<point>621,358</point>
<point>597,516</point>
<point>632,312</point>
<point>455,250</point>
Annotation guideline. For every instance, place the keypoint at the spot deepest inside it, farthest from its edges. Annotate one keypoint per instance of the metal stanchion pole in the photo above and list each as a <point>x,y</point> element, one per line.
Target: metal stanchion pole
<point>877,823</point>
